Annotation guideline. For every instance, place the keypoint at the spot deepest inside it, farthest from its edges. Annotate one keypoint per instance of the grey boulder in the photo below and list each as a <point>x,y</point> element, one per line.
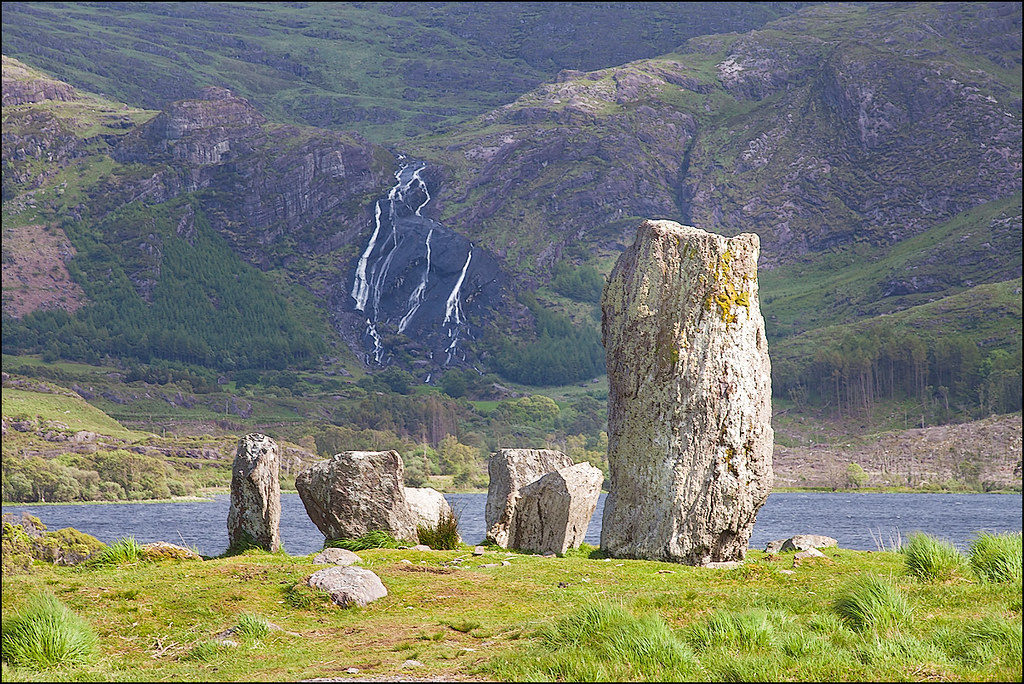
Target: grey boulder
<point>349,585</point>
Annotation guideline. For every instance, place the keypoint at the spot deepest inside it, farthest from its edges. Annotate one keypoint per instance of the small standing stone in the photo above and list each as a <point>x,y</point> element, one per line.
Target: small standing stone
<point>254,515</point>
<point>509,471</point>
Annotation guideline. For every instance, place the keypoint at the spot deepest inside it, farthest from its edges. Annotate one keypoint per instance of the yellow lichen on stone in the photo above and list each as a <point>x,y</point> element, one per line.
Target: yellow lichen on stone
<point>723,292</point>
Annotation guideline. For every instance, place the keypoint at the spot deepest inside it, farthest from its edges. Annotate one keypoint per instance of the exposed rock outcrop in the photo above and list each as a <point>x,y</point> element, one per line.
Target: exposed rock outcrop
<point>23,85</point>
<point>552,513</point>
<point>167,551</point>
<point>356,492</point>
<point>276,180</point>
<point>254,516</point>
<point>509,470</point>
<point>208,130</point>
<point>689,405</point>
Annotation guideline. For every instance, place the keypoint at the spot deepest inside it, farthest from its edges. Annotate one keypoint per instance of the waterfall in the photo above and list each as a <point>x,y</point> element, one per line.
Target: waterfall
<point>361,288</point>
<point>378,346</point>
<point>416,177</point>
<point>453,307</point>
<point>416,298</point>
<point>453,311</point>
<point>388,286</point>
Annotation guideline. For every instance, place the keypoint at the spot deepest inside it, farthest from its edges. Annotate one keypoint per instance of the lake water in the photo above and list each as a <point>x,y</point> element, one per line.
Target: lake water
<point>856,520</point>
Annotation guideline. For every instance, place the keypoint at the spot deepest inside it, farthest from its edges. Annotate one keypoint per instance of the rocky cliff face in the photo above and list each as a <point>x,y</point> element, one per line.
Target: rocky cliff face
<point>857,138</point>
<point>36,143</point>
<point>265,183</point>
<point>834,127</point>
<point>23,85</point>
<point>571,163</point>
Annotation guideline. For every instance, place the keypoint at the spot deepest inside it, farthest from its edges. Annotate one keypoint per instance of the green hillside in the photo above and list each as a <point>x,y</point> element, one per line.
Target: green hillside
<point>66,408</point>
<point>211,247</point>
<point>959,356</point>
<point>387,69</point>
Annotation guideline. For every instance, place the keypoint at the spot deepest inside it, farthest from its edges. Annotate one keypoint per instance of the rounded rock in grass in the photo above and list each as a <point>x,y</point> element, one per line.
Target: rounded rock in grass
<point>349,586</point>
<point>336,556</point>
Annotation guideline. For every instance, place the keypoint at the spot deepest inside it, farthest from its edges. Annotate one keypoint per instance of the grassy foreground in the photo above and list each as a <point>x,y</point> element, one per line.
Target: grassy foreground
<point>851,616</point>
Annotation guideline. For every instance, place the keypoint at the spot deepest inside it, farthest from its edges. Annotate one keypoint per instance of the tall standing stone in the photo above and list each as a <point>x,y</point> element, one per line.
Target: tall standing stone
<point>508,471</point>
<point>355,492</point>
<point>689,403</point>
<point>254,515</point>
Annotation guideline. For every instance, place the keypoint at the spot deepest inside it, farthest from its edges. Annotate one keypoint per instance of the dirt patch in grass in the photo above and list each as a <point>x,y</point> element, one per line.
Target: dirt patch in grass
<point>427,568</point>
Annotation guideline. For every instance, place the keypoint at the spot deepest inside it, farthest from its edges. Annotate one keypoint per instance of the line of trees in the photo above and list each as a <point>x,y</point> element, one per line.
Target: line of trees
<point>951,373</point>
<point>117,475</point>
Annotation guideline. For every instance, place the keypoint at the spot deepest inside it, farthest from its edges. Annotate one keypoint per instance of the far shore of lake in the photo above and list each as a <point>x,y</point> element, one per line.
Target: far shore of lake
<point>208,493</point>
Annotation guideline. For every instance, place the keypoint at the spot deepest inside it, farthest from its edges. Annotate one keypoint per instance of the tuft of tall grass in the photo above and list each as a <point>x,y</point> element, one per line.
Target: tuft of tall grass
<point>894,543</point>
<point>873,603</point>
<point>751,645</point>
<point>933,560</point>
<point>444,535</point>
<point>252,626</point>
<point>124,551</point>
<point>888,657</point>
<point>304,597</point>
<point>374,539</point>
<point>997,557</point>
<point>203,652</point>
<point>47,634</point>
<point>602,642</point>
<point>752,629</point>
<point>986,640</point>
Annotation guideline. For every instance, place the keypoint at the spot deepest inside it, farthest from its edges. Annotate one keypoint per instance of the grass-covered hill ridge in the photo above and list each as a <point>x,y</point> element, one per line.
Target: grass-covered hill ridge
<point>387,69</point>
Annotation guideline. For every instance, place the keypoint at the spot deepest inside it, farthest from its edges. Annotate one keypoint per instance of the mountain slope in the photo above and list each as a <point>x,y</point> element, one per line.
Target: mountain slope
<point>389,69</point>
<point>874,148</point>
<point>819,135</point>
